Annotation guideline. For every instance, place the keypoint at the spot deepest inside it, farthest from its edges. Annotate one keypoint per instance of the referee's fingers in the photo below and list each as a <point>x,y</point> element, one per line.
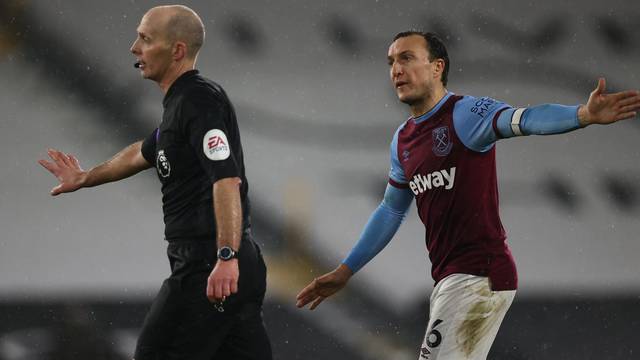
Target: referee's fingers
<point>210,294</point>
<point>234,286</point>
<point>218,290</point>
<point>226,289</point>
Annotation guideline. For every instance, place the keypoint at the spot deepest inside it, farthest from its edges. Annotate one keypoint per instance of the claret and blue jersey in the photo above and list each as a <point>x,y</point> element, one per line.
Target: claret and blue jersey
<point>445,159</point>
<point>442,159</point>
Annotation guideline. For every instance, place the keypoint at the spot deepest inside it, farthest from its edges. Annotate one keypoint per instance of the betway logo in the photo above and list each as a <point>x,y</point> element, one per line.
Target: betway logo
<point>436,179</point>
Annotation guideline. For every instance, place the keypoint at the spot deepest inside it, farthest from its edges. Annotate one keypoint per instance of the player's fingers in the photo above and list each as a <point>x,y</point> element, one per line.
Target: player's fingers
<point>624,95</point>
<point>52,154</point>
<point>51,167</point>
<point>62,158</point>
<point>57,156</point>
<point>74,161</point>
<point>307,290</point>
<point>632,100</point>
<point>629,108</point>
<point>626,115</point>
<point>305,297</point>
<point>302,301</point>
<point>316,302</point>
<point>67,159</point>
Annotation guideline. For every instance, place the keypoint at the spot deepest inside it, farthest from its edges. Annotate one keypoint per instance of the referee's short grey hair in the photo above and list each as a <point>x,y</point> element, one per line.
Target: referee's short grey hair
<point>186,26</point>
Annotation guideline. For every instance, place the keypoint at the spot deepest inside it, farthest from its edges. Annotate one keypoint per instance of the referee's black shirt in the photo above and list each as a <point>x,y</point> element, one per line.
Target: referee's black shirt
<point>197,144</point>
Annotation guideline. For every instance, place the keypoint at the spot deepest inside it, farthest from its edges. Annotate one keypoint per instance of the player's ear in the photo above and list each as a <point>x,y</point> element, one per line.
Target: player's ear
<point>438,68</point>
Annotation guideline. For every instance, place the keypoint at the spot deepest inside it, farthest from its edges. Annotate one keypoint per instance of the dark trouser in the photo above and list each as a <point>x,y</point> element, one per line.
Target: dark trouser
<point>183,324</point>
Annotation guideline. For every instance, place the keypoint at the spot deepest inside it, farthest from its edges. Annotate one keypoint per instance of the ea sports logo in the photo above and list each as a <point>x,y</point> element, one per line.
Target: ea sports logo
<point>215,140</point>
<point>215,145</point>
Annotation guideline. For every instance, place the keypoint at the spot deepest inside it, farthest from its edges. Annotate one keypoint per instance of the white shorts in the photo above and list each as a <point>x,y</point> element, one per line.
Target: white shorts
<point>465,315</point>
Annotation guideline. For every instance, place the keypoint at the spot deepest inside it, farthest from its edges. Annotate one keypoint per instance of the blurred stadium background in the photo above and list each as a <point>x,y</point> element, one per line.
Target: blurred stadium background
<point>310,84</point>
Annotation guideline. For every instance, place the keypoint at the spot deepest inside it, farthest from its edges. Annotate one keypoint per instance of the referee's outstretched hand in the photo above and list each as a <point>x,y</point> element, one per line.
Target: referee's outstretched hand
<point>66,168</point>
<point>323,287</point>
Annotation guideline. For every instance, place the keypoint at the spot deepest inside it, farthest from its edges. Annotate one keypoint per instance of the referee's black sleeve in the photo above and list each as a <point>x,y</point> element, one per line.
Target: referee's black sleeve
<point>206,125</point>
<point>148,148</point>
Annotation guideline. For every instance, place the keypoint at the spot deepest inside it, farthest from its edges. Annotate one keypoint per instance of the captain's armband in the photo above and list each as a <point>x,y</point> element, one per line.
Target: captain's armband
<point>515,122</point>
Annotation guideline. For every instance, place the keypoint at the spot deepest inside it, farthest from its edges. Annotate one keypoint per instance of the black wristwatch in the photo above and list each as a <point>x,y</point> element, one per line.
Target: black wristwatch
<point>226,253</point>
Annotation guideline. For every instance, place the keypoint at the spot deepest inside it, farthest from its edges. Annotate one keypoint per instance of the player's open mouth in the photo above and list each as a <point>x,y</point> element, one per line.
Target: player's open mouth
<point>400,84</point>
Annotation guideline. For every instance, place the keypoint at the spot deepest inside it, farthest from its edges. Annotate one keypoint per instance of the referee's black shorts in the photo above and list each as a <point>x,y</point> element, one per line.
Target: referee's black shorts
<point>183,324</point>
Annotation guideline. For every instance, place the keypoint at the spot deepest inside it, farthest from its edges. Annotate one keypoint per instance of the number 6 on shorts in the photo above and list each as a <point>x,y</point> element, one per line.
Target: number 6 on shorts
<point>431,341</point>
<point>434,338</point>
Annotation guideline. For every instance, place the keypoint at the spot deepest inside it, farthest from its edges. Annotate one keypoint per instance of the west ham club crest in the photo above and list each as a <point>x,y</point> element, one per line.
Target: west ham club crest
<point>441,141</point>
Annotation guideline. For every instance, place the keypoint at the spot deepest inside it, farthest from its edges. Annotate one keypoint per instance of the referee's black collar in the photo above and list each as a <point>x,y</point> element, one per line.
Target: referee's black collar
<point>178,84</point>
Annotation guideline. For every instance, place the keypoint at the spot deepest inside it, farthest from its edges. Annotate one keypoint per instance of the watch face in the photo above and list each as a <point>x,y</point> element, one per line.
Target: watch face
<point>225,253</point>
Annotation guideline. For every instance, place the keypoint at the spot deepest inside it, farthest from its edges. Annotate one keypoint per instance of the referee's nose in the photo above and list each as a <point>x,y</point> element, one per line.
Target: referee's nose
<point>134,47</point>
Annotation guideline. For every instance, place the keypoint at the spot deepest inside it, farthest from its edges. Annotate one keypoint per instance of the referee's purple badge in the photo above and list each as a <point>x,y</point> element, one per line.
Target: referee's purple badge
<point>441,141</point>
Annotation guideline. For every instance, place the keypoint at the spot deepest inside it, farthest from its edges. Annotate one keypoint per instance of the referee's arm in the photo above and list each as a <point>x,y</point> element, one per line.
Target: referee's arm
<point>227,205</point>
<point>66,168</point>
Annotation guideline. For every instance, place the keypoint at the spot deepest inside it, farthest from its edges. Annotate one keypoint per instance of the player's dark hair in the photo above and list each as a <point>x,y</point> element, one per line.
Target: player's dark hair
<point>435,47</point>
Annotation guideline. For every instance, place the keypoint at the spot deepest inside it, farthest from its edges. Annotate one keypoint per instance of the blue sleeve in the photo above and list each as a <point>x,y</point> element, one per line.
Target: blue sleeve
<point>473,121</point>
<point>544,119</point>
<point>397,172</point>
<point>382,225</point>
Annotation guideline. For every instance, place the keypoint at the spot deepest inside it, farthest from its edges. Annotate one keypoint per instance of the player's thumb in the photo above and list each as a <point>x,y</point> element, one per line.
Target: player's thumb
<point>601,86</point>
<point>56,190</point>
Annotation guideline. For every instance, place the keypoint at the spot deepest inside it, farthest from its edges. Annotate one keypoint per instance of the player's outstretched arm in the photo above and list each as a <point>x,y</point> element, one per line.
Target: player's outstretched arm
<point>66,168</point>
<point>503,121</point>
<point>379,230</point>
<point>605,108</point>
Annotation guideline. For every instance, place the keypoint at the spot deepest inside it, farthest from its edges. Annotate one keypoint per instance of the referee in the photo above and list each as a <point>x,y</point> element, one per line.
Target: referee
<point>211,305</point>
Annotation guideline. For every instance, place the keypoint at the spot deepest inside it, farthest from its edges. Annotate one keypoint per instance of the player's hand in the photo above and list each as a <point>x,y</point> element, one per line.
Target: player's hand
<point>223,280</point>
<point>608,108</point>
<point>66,168</point>
<point>323,287</point>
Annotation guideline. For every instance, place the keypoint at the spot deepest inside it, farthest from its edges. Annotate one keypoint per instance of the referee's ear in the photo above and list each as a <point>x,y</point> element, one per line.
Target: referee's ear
<point>179,51</point>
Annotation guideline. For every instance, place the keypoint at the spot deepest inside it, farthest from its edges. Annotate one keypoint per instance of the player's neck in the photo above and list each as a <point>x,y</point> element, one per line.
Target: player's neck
<point>173,73</point>
<point>428,102</point>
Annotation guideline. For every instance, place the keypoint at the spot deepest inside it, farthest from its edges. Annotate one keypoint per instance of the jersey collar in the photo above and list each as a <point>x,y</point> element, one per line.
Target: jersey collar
<point>433,110</point>
<point>178,84</point>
